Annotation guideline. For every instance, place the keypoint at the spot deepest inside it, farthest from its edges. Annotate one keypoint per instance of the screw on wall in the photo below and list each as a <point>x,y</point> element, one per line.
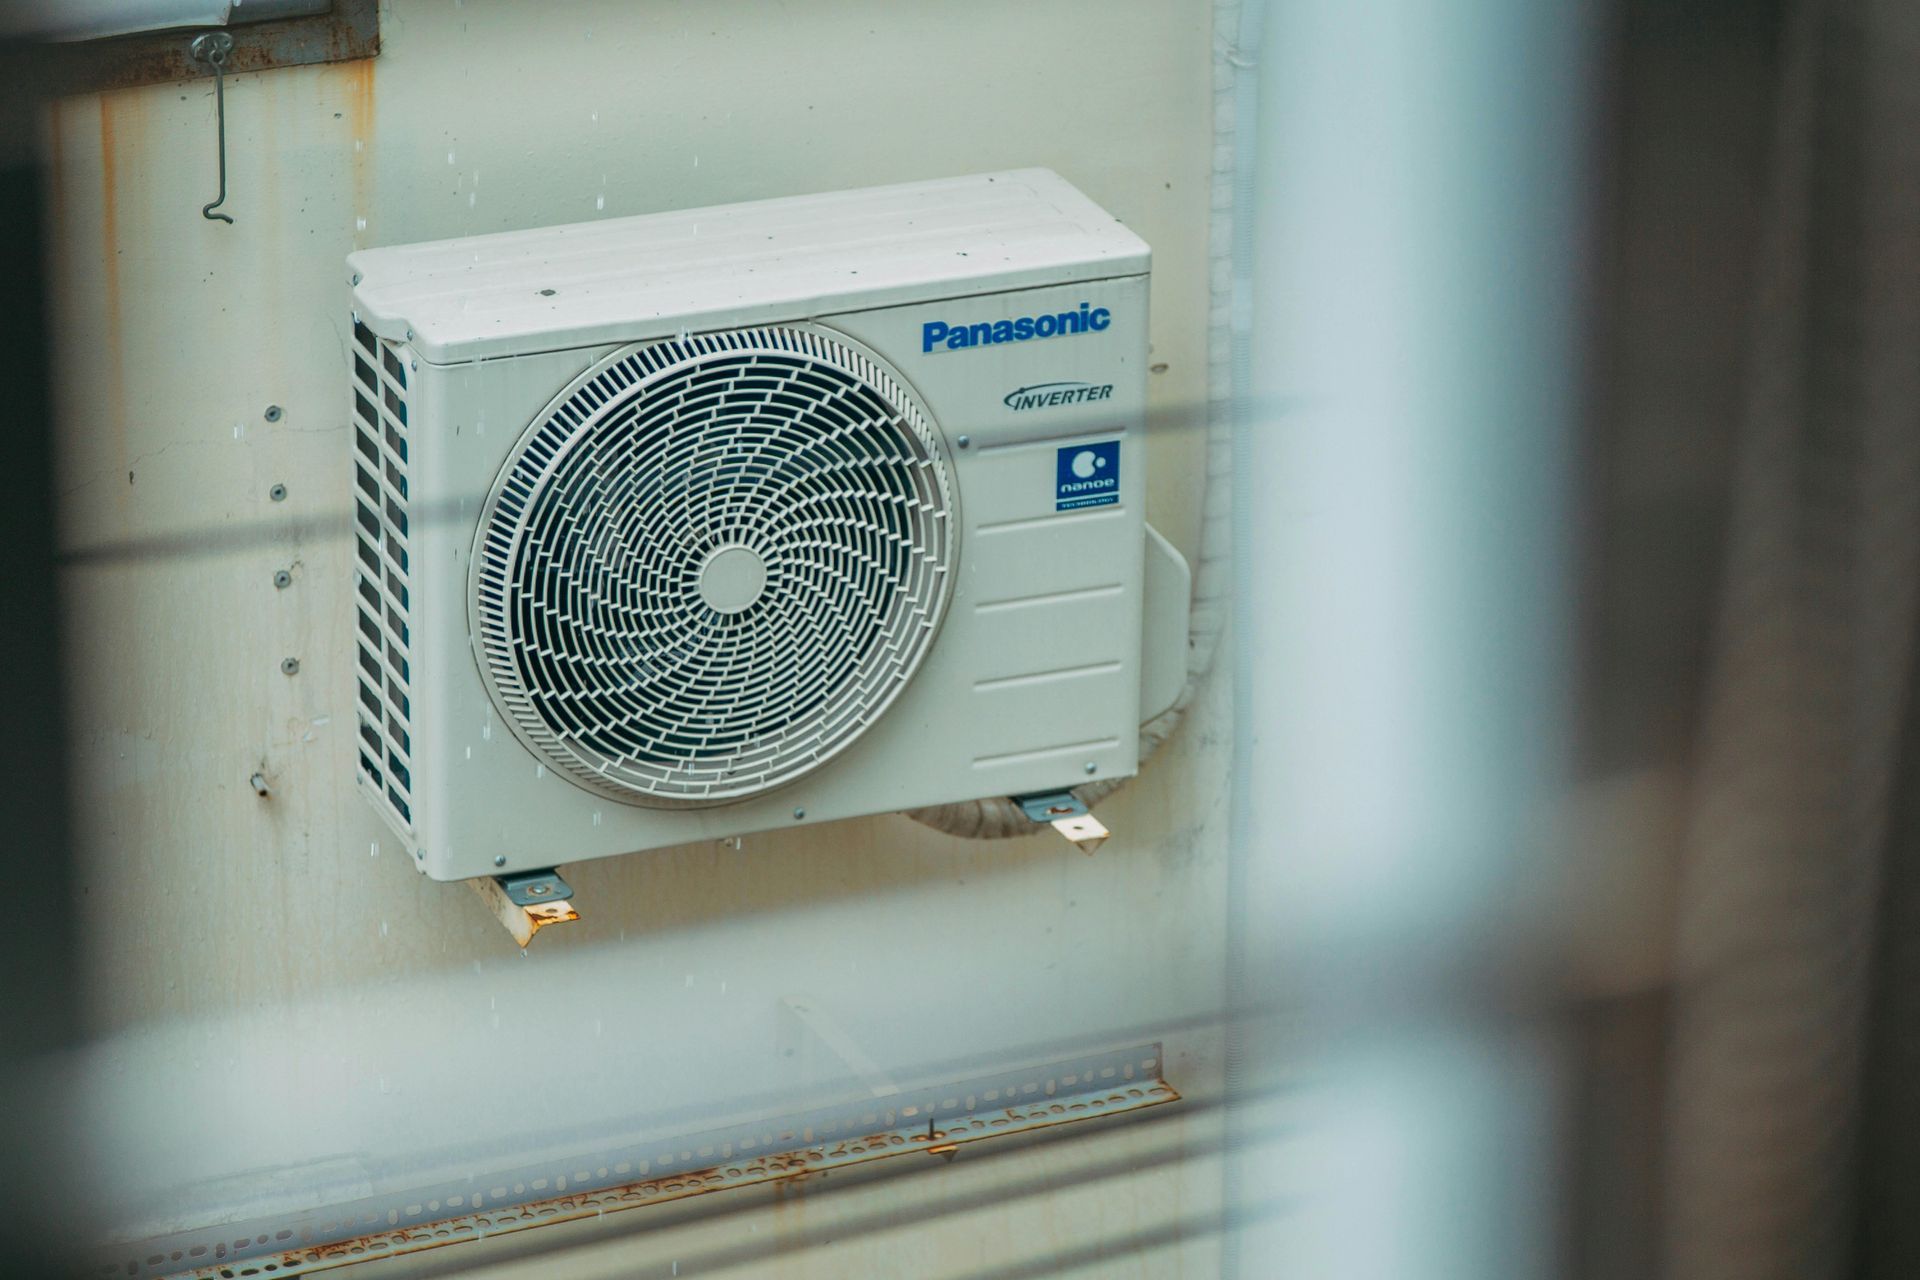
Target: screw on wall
<point>289,666</point>
<point>282,579</point>
<point>259,784</point>
<point>278,493</point>
<point>274,413</point>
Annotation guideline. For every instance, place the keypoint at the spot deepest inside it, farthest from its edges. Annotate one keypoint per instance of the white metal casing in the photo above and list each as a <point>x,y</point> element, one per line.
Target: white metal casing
<point>1034,679</point>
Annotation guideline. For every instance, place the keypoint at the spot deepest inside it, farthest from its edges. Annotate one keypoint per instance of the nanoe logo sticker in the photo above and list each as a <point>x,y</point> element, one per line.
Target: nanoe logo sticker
<point>1045,395</point>
<point>1086,475</point>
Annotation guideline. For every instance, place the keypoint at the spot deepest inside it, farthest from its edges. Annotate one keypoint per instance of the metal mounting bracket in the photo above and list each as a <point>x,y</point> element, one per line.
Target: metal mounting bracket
<point>527,901</point>
<point>1068,814</point>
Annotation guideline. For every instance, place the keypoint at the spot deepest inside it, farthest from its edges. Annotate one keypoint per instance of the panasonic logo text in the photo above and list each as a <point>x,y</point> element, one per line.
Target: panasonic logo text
<point>937,335</point>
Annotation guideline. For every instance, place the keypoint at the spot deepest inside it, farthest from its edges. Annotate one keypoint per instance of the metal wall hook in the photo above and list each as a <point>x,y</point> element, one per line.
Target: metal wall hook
<point>212,48</point>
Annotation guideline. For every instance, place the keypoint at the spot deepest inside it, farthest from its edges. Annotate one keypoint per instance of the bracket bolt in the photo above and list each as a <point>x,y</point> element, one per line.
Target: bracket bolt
<point>964,441</point>
<point>289,666</point>
<point>278,493</point>
<point>282,579</point>
<point>499,859</point>
<point>274,413</point>
<point>799,812</point>
<point>1092,767</point>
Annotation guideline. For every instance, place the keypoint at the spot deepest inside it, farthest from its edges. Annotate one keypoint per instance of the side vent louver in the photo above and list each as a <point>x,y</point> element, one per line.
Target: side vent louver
<point>381,572</point>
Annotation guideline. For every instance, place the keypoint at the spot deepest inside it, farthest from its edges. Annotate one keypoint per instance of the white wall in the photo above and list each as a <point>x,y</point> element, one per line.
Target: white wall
<point>212,914</point>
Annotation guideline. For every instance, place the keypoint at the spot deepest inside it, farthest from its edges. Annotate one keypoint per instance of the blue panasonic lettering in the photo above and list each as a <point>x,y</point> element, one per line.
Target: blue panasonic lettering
<point>936,335</point>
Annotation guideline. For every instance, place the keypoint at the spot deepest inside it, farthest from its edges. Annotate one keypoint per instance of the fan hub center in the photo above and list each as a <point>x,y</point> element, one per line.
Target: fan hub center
<point>732,578</point>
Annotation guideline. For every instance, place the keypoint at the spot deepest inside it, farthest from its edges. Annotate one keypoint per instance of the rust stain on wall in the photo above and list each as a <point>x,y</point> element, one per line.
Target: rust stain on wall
<point>56,168</point>
<point>109,218</point>
<point>113,316</point>
<point>357,83</point>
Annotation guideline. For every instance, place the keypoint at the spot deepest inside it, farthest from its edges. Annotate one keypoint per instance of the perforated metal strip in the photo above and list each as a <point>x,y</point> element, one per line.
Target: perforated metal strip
<point>639,1170</point>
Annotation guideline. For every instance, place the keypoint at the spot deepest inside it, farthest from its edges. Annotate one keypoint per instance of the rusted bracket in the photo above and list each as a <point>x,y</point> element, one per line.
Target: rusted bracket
<point>527,901</point>
<point>348,30</point>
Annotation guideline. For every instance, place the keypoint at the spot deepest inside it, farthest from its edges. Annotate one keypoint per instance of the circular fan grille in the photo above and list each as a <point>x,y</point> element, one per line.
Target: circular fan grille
<point>712,564</point>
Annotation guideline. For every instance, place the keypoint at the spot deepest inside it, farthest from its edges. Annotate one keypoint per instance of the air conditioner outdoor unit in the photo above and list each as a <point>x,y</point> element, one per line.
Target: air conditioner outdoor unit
<point>697,524</point>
